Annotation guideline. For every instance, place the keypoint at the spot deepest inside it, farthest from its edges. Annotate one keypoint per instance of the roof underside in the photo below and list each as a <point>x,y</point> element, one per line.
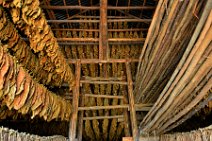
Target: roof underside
<point>100,61</point>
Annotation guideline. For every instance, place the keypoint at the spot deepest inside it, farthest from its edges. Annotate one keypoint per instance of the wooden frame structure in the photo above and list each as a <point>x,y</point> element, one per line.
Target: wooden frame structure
<point>129,115</point>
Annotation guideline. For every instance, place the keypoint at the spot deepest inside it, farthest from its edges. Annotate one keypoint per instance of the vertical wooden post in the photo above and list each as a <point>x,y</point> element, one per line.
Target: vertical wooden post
<point>131,102</point>
<point>81,114</point>
<point>103,30</point>
<point>75,103</point>
<point>126,119</point>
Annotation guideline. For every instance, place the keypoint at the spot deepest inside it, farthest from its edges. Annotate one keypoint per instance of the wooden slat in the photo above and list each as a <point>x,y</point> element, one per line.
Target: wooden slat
<point>103,107</point>
<point>67,44</point>
<point>98,7</point>
<point>96,30</point>
<point>97,39</point>
<point>103,78</point>
<point>98,21</point>
<point>104,96</point>
<point>97,61</point>
<point>104,117</point>
<point>103,82</point>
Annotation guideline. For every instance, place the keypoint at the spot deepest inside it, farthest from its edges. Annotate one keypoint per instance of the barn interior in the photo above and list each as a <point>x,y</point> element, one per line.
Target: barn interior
<point>102,70</point>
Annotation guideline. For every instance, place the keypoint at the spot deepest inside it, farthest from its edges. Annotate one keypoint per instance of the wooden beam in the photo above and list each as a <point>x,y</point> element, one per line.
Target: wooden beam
<point>103,78</point>
<point>98,21</point>
<point>80,121</point>
<point>97,17</point>
<point>96,30</point>
<point>97,61</point>
<point>131,103</point>
<point>75,103</point>
<point>98,7</point>
<point>104,117</point>
<point>116,40</point>
<point>103,107</point>
<point>142,109</point>
<point>67,44</point>
<point>97,39</point>
<point>103,82</point>
<point>127,129</point>
<point>104,96</point>
<point>103,38</point>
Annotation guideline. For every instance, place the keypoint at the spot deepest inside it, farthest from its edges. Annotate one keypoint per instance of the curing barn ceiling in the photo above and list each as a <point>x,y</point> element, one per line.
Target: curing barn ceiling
<point>99,69</point>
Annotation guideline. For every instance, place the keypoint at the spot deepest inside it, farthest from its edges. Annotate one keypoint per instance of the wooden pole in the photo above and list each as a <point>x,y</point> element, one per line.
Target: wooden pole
<point>80,121</point>
<point>99,21</point>
<point>103,78</point>
<point>131,102</point>
<point>114,40</point>
<point>97,7</point>
<point>103,107</point>
<point>104,96</point>
<point>96,30</point>
<point>103,38</point>
<point>103,82</point>
<point>127,129</point>
<point>104,117</point>
<point>75,102</point>
<point>97,61</point>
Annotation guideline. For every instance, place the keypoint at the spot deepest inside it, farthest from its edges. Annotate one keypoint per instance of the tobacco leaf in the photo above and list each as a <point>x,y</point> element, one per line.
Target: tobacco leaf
<point>46,105</point>
<point>20,100</point>
<point>4,70</point>
<point>38,100</point>
<point>20,81</point>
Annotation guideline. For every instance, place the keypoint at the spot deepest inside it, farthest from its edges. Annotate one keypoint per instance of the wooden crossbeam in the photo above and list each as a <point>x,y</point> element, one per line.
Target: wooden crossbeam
<point>68,44</point>
<point>98,21</point>
<point>98,7</point>
<point>96,30</point>
<point>97,61</point>
<point>103,78</point>
<point>97,39</point>
<point>103,107</point>
<point>104,96</point>
<point>104,117</point>
<point>97,17</point>
<point>103,82</point>
<point>117,40</point>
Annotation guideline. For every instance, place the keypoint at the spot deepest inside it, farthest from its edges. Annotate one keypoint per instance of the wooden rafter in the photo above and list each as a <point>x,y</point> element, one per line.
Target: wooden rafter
<point>99,21</point>
<point>98,7</point>
<point>96,30</point>
<point>97,61</point>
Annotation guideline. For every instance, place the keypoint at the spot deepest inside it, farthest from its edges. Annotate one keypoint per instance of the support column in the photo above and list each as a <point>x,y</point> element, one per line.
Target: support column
<point>103,30</point>
<point>75,103</point>
<point>131,103</point>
